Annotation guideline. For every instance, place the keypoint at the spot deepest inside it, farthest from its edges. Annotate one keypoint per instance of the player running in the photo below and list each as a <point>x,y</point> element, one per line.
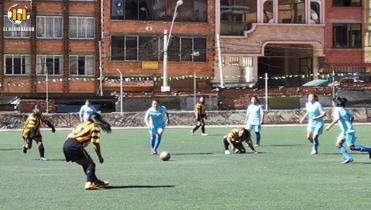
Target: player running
<point>254,118</point>
<point>200,113</point>
<point>235,138</point>
<point>345,118</point>
<point>155,121</point>
<point>315,115</point>
<point>81,136</point>
<point>31,131</point>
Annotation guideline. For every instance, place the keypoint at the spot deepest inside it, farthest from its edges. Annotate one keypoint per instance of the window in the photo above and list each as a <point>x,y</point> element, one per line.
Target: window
<point>247,61</point>
<point>49,26</point>
<point>347,35</point>
<point>82,27</point>
<point>150,48</point>
<point>17,64</point>
<point>346,3</point>
<point>158,10</point>
<point>291,11</point>
<point>124,48</point>
<point>16,34</point>
<point>234,61</point>
<point>51,64</point>
<point>82,65</point>
<point>237,16</point>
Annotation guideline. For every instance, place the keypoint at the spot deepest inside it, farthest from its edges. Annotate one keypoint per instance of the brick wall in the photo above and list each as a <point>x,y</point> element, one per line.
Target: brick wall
<point>341,15</point>
<point>157,28</point>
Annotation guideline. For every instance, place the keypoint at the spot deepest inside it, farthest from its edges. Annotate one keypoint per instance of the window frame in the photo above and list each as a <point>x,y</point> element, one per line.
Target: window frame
<point>85,65</point>
<point>44,67</point>
<point>5,20</point>
<point>54,25</point>
<point>349,39</point>
<point>334,5</point>
<point>79,28</point>
<point>21,56</point>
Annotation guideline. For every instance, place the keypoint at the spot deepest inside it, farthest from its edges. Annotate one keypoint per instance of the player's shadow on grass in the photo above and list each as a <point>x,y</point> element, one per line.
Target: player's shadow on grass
<point>336,153</point>
<point>137,186</point>
<point>194,153</point>
<point>10,149</point>
<point>282,145</point>
<point>361,163</point>
<point>55,159</point>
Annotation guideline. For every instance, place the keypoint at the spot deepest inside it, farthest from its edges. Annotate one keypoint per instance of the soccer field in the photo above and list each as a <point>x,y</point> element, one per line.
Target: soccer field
<point>198,176</point>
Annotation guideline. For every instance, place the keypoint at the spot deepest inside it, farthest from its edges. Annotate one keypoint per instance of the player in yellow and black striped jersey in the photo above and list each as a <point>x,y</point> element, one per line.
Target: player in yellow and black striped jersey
<point>81,136</point>
<point>200,113</point>
<point>235,138</point>
<point>31,131</point>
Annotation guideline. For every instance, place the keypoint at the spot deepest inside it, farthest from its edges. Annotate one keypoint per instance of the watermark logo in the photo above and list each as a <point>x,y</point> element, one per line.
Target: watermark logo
<point>19,17</point>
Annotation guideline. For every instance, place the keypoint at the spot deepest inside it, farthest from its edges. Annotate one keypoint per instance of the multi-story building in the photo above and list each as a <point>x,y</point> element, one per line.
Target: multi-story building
<point>57,39</point>
<point>284,38</point>
<point>133,32</point>
<point>348,36</point>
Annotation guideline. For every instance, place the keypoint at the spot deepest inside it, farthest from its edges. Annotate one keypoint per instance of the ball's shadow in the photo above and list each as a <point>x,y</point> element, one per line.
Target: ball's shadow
<point>137,186</point>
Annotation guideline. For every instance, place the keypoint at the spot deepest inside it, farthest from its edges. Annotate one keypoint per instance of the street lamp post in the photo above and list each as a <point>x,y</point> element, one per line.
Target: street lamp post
<point>47,90</point>
<point>194,54</point>
<point>165,87</point>
<point>121,91</point>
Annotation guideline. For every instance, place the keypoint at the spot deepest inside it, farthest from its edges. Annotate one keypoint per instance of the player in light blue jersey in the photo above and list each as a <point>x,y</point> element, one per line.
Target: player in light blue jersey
<point>315,115</point>
<point>345,118</point>
<point>155,121</point>
<point>254,118</point>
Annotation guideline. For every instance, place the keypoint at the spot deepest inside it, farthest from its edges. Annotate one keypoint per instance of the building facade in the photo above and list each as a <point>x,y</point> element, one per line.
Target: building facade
<point>348,36</point>
<point>284,38</point>
<point>133,34</point>
<point>48,45</point>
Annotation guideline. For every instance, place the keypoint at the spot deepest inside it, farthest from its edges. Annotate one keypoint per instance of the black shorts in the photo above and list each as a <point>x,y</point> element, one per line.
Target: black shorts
<point>201,118</point>
<point>73,150</point>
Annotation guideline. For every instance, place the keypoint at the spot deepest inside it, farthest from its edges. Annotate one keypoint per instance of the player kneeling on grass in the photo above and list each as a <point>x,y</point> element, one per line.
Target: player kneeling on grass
<point>80,137</point>
<point>235,139</point>
<point>345,118</point>
<point>31,131</point>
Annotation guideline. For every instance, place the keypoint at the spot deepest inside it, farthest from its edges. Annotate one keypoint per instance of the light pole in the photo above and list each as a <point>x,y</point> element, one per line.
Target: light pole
<point>194,54</point>
<point>47,90</point>
<point>165,87</point>
<point>121,91</point>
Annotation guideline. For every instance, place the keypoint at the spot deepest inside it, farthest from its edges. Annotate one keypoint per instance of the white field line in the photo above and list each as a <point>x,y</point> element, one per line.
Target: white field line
<point>182,126</point>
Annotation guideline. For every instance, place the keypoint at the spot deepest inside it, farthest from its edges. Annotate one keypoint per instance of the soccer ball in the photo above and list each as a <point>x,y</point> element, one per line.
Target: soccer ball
<point>165,156</point>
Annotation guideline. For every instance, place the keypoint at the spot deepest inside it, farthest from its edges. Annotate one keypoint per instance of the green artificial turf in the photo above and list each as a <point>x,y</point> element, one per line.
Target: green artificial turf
<point>198,176</point>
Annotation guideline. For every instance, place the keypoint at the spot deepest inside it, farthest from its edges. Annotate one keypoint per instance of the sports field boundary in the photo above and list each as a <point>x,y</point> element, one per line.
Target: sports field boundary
<point>182,126</point>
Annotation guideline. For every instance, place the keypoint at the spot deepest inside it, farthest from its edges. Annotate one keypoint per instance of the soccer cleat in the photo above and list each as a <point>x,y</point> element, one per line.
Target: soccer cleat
<point>102,184</point>
<point>91,186</point>
<point>43,158</point>
<point>256,145</point>
<point>204,134</point>
<point>349,160</point>
<point>24,149</point>
<point>227,152</point>
<point>314,152</point>
<point>154,152</point>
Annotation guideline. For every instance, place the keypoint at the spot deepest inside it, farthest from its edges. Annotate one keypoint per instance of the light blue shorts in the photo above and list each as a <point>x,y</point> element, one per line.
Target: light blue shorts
<point>350,138</point>
<point>315,129</point>
<point>158,129</point>
<point>255,128</point>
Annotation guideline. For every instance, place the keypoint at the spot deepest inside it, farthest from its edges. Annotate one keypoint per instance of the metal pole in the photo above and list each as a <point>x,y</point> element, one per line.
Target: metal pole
<point>121,91</point>
<point>165,87</point>
<point>100,70</point>
<point>266,91</point>
<point>333,83</point>
<point>194,87</point>
<point>47,91</point>
<point>220,61</point>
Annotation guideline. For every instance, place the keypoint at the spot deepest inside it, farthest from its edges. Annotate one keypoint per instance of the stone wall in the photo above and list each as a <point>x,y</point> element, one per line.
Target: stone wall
<point>181,118</point>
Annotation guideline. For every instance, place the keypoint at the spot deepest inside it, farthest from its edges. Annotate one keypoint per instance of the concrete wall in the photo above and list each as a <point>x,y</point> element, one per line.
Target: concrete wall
<point>135,119</point>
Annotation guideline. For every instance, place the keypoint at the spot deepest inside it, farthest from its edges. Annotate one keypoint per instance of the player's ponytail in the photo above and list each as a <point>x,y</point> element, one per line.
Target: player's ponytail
<point>98,121</point>
<point>340,102</point>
